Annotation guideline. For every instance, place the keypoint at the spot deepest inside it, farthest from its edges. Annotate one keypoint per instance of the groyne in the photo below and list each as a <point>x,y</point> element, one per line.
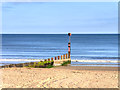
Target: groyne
<point>55,61</point>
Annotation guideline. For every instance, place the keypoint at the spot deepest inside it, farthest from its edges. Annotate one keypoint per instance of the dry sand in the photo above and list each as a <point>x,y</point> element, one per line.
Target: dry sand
<point>60,77</point>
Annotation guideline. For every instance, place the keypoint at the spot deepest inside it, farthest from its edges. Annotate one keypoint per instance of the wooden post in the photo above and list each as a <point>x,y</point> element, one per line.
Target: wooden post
<point>61,57</point>
<point>45,60</point>
<point>64,56</point>
<point>69,49</point>
<point>48,59</point>
<point>58,57</point>
<point>55,58</point>
<point>52,58</point>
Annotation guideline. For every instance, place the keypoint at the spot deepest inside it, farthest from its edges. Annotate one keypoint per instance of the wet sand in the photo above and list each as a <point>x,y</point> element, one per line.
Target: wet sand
<point>60,77</point>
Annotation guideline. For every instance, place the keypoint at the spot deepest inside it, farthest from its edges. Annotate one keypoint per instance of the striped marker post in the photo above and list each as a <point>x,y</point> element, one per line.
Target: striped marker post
<point>69,49</point>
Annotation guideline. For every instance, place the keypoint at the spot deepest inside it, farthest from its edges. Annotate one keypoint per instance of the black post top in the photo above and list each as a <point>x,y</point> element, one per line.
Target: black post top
<point>69,34</point>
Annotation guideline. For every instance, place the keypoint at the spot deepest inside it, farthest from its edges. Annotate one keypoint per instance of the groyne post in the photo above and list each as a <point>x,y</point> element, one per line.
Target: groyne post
<point>66,56</point>
<point>48,59</point>
<point>61,57</point>
<point>58,57</point>
<point>52,58</point>
<point>55,58</point>
<point>69,49</point>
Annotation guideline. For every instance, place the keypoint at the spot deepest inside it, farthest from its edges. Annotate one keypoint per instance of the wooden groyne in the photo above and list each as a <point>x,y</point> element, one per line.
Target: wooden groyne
<point>55,61</point>
<point>61,59</point>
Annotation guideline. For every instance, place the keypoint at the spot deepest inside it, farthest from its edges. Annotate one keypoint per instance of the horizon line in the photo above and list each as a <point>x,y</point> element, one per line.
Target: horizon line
<point>60,33</point>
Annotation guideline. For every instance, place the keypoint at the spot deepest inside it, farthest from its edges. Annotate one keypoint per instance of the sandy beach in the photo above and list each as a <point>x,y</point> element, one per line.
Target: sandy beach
<point>60,77</point>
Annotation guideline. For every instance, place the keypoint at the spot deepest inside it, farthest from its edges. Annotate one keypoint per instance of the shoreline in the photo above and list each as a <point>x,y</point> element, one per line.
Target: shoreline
<point>110,63</point>
<point>93,68</point>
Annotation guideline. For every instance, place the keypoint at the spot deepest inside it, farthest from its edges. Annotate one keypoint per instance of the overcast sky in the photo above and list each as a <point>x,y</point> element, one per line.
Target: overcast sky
<point>59,17</point>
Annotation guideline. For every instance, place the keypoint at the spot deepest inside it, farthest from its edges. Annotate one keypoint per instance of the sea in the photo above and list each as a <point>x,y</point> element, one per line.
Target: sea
<point>86,49</point>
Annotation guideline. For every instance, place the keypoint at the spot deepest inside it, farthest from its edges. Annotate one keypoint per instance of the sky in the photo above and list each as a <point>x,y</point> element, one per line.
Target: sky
<point>59,17</point>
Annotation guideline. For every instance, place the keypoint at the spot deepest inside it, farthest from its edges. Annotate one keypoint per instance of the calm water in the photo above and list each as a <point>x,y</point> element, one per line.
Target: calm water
<point>42,46</point>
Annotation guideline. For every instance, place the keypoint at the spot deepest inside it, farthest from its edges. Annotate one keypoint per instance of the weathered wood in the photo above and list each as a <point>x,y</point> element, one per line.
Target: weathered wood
<point>64,56</point>
<point>59,62</point>
<point>52,58</point>
<point>11,65</point>
<point>61,57</point>
<point>48,59</point>
<point>69,47</point>
<point>45,60</point>
<point>58,57</point>
<point>55,58</point>
<point>69,50</point>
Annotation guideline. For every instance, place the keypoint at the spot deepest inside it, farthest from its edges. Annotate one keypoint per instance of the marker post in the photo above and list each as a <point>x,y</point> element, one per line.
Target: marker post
<point>69,49</point>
